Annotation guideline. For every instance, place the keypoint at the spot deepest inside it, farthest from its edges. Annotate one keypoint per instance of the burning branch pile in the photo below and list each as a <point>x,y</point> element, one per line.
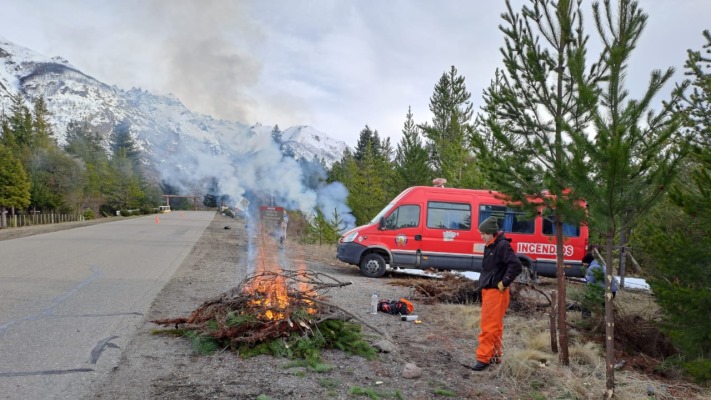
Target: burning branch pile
<point>265,306</point>
<point>274,311</point>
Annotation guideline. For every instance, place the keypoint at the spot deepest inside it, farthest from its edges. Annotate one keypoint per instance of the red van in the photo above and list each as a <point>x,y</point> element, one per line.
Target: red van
<point>435,227</point>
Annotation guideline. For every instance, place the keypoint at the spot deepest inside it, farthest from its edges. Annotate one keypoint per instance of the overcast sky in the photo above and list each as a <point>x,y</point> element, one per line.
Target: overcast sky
<point>336,65</point>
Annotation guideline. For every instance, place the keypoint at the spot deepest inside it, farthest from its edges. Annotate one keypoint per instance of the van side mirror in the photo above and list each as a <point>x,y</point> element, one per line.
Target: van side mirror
<point>381,223</point>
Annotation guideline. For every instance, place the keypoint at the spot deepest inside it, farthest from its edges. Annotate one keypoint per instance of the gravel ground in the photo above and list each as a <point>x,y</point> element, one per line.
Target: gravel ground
<point>163,367</point>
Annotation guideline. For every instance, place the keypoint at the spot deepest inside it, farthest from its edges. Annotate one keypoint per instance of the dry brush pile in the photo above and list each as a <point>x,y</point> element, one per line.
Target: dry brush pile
<point>280,313</point>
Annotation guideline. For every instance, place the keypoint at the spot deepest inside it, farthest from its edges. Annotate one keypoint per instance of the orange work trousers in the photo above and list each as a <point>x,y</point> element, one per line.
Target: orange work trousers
<point>493,307</point>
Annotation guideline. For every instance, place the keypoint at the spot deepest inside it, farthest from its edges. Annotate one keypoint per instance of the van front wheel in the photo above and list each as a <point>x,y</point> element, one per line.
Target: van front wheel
<point>373,265</point>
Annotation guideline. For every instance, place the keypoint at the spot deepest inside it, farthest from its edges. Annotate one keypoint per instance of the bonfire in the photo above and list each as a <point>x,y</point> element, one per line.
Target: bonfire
<point>270,304</point>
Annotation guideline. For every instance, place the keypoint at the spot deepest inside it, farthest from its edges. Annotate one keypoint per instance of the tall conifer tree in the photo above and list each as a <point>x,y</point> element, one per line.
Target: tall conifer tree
<point>676,240</point>
<point>411,160</point>
<point>368,140</point>
<point>368,191</point>
<point>450,128</point>
<point>277,135</point>
<point>633,153</point>
<point>42,133</point>
<point>123,145</point>
<point>535,103</point>
<point>14,185</point>
<point>20,124</point>
<point>127,189</point>
<point>86,145</point>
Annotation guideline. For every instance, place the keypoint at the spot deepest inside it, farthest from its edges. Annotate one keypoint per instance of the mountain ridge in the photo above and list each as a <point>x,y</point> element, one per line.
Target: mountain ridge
<point>72,95</point>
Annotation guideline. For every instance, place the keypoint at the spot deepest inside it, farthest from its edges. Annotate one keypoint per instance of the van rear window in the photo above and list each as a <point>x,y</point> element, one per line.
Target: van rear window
<point>511,219</point>
<point>569,230</point>
<point>444,215</point>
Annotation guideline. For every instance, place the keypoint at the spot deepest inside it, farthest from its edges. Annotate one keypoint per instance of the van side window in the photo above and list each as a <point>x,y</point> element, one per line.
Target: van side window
<point>511,219</point>
<point>569,230</point>
<point>403,217</point>
<point>442,215</point>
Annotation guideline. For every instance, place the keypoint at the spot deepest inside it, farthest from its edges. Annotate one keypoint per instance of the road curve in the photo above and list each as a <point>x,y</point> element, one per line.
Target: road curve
<point>70,300</point>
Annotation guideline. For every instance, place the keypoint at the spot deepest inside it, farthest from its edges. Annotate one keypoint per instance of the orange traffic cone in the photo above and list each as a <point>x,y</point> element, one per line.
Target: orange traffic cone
<point>157,220</point>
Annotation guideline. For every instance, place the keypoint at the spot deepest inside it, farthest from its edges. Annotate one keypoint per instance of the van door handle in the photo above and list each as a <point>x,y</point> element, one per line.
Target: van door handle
<point>418,237</point>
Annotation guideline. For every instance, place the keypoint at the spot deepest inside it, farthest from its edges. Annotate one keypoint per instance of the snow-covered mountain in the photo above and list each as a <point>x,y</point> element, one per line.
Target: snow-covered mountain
<point>189,151</point>
<point>160,124</point>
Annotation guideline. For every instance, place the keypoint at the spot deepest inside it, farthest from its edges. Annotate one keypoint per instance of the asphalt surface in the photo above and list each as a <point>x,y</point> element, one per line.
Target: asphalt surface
<point>70,300</point>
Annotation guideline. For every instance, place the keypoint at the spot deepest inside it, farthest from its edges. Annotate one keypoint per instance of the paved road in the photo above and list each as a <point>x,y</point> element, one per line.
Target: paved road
<point>70,300</point>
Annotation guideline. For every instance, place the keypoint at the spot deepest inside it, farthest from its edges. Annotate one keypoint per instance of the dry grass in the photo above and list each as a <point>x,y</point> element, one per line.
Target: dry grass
<point>533,370</point>
<point>458,319</point>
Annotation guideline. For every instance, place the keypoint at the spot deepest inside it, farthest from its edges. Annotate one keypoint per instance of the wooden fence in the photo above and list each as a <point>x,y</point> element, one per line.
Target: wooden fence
<point>21,220</point>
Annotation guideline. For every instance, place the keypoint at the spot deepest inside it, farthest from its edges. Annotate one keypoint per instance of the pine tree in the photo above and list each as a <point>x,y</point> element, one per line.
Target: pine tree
<point>696,110</point>
<point>14,185</point>
<point>676,237</point>
<point>535,103</point>
<point>20,124</point>
<point>447,134</point>
<point>322,231</point>
<point>127,189</point>
<point>632,155</point>
<point>368,139</point>
<point>277,135</point>
<point>42,136</point>
<point>340,170</point>
<point>367,191</point>
<point>85,144</point>
<point>57,180</point>
<point>7,135</point>
<point>385,166</point>
<point>411,160</point>
<point>487,120</point>
<point>123,144</point>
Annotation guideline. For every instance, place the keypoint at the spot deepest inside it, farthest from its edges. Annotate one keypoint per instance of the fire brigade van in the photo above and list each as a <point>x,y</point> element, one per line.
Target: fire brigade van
<point>437,228</point>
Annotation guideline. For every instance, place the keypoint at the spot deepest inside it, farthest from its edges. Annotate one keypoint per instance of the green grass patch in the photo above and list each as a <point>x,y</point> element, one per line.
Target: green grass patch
<point>444,392</point>
<point>330,384</point>
<point>306,346</point>
<point>203,344</point>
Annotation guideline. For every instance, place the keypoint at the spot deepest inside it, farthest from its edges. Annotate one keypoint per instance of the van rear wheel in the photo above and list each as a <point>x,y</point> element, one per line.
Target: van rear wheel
<point>373,265</point>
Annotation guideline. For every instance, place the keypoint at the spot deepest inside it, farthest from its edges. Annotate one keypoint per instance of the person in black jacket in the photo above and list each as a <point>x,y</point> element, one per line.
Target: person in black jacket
<point>499,268</point>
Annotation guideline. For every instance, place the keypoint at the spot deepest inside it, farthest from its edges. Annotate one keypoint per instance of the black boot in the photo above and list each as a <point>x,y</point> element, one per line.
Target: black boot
<point>480,366</point>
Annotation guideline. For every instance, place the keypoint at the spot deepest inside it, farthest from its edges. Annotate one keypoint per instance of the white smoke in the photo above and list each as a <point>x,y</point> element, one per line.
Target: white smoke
<point>253,166</point>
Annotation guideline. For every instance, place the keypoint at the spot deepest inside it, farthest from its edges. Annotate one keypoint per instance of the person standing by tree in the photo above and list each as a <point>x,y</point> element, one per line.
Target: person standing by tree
<point>499,268</point>
<point>595,275</point>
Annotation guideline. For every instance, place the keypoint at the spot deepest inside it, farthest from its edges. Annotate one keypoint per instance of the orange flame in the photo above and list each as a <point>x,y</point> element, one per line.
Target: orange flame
<point>272,293</point>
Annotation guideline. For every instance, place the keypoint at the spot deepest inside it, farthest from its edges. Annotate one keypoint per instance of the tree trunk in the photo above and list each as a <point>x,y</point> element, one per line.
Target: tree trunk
<point>554,331</point>
<point>624,234</point>
<point>623,258</point>
<point>3,219</point>
<point>563,356</point>
<point>609,321</point>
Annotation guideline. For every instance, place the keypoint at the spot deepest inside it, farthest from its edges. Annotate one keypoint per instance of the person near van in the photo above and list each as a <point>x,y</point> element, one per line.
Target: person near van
<point>595,275</point>
<point>499,269</point>
<point>594,271</point>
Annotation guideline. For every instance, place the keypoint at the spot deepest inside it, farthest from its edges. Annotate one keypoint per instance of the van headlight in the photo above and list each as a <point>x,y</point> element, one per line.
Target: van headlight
<point>349,237</point>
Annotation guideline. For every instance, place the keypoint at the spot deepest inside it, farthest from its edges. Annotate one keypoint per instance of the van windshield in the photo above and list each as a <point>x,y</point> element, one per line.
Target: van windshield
<point>382,213</point>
